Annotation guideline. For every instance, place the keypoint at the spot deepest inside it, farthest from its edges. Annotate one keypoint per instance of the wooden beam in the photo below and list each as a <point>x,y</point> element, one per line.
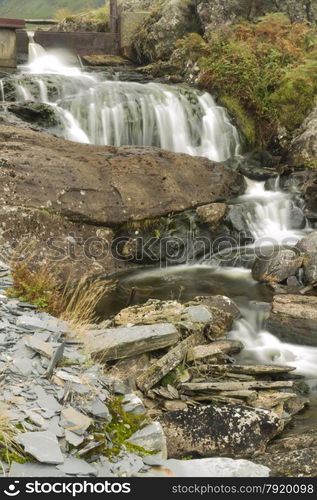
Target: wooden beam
<point>40,21</point>
<point>12,23</point>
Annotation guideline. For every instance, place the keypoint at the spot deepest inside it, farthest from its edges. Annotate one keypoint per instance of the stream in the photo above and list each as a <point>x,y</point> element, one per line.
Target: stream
<point>95,110</point>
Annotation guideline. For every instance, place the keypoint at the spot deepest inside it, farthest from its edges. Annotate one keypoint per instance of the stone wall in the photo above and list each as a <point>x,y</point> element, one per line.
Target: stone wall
<point>7,48</point>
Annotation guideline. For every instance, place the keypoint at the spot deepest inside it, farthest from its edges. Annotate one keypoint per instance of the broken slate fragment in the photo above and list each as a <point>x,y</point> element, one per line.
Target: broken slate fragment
<point>151,438</point>
<point>73,438</point>
<point>48,402</point>
<point>41,445</point>
<point>74,421</point>
<point>22,367</point>
<point>99,409</point>
<point>118,343</point>
<point>34,470</point>
<point>31,323</point>
<point>75,466</point>
<point>68,377</point>
<point>131,403</point>
<point>38,345</point>
<point>127,464</point>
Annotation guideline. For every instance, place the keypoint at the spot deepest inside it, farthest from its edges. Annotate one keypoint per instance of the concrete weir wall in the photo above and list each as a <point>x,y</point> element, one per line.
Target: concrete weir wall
<point>7,48</point>
<point>79,43</point>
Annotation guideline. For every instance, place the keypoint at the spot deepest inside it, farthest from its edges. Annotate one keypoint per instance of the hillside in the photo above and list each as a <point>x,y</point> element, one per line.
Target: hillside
<point>43,8</point>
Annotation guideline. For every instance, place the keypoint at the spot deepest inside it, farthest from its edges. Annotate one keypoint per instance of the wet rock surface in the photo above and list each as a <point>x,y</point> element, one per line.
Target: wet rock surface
<point>79,198</point>
<point>278,268</point>
<point>294,319</point>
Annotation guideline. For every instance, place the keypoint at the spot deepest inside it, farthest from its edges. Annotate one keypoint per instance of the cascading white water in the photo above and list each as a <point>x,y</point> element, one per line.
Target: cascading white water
<point>41,62</point>
<point>2,91</point>
<point>109,112</point>
<point>36,51</point>
<point>262,347</point>
<point>269,219</point>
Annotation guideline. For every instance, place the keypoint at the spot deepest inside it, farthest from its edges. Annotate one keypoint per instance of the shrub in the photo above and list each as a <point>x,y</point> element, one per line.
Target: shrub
<point>266,71</point>
<point>39,287</point>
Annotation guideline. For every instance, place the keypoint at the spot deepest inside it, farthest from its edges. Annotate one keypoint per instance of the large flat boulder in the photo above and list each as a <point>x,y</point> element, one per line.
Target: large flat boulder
<point>219,430</point>
<point>70,199</point>
<point>106,185</point>
<point>294,319</point>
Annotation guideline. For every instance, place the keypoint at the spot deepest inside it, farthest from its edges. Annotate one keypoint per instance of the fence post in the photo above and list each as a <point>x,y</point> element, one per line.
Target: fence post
<point>114,22</point>
<point>113,16</point>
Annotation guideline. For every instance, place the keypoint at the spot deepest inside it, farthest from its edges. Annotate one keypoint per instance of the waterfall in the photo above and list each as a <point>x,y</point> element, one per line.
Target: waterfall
<point>269,219</point>
<point>114,113</point>
<point>95,110</point>
<point>2,91</point>
<point>42,62</point>
<point>263,347</point>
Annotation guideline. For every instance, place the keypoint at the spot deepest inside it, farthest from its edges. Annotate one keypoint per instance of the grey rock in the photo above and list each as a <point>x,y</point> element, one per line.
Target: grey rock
<point>81,388</point>
<point>294,319</point>
<point>308,244</point>
<point>37,419</point>
<point>75,466</point>
<point>34,470</point>
<point>74,421</point>
<point>41,445</point>
<point>209,467</point>
<point>127,464</point>
<point>22,367</point>
<point>277,268</point>
<point>218,12</point>
<point>50,403</point>
<point>131,403</point>
<point>73,438</point>
<point>40,346</point>
<point>118,343</point>
<point>198,314</point>
<point>54,427</point>
<point>31,323</point>
<point>99,409</point>
<point>221,430</point>
<point>151,438</point>
<point>310,267</point>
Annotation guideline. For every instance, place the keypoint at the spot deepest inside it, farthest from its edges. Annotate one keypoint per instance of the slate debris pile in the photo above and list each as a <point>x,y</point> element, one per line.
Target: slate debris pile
<point>170,365</point>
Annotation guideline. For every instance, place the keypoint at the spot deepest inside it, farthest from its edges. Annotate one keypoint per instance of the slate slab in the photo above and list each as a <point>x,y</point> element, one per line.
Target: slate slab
<point>41,445</point>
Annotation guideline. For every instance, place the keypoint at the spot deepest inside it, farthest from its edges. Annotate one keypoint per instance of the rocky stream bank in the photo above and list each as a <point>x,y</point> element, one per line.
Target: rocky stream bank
<point>156,383</point>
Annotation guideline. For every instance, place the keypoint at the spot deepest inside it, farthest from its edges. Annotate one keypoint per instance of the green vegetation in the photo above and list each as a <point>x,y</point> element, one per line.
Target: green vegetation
<point>40,288</point>
<point>264,72</point>
<point>9,450</point>
<point>45,9</point>
<point>122,426</point>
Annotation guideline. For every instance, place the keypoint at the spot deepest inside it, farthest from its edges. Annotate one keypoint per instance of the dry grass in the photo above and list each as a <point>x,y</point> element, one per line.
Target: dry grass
<point>61,14</point>
<point>9,450</point>
<point>43,286</point>
<point>81,303</point>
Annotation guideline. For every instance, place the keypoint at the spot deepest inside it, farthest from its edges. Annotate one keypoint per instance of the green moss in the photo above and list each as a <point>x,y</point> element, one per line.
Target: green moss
<point>12,453</point>
<point>145,225</point>
<point>122,426</point>
<point>244,121</point>
<point>170,378</point>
